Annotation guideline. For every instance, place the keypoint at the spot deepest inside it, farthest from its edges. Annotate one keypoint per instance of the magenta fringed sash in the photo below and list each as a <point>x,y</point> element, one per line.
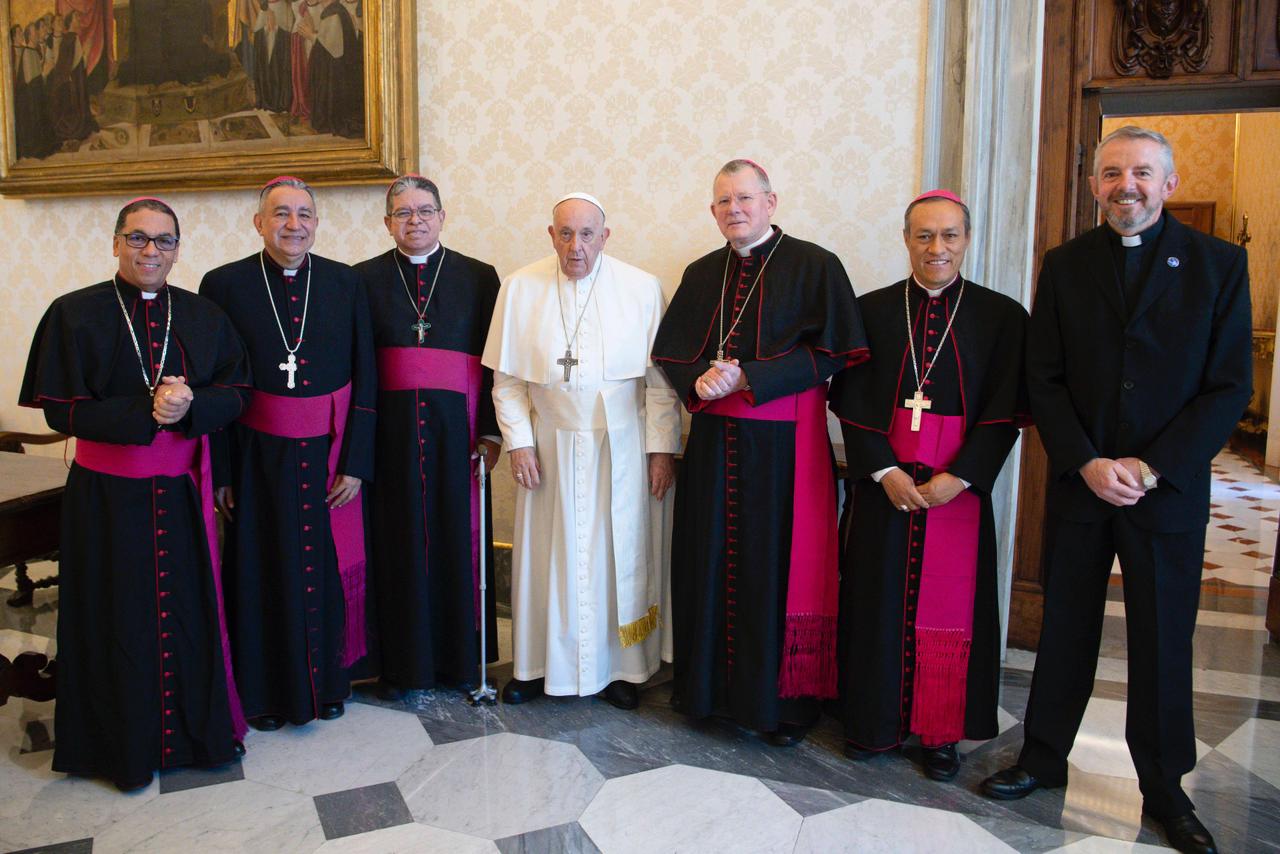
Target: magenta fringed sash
<point>173,455</point>
<point>412,368</point>
<point>948,575</point>
<point>307,418</point>
<point>809,645</point>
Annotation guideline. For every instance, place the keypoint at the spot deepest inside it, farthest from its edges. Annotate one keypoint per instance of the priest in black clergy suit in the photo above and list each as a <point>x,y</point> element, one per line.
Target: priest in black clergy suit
<point>290,474</point>
<point>140,372</point>
<point>431,308</point>
<point>1139,364</point>
<point>927,426</point>
<point>749,341</point>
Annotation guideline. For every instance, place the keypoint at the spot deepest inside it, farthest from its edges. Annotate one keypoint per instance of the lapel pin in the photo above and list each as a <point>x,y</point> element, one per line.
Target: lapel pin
<point>1172,262</point>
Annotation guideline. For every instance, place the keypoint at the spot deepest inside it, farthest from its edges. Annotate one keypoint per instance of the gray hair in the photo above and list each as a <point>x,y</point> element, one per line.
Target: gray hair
<point>1135,132</point>
<point>735,166</point>
<point>286,181</point>
<point>412,182</point>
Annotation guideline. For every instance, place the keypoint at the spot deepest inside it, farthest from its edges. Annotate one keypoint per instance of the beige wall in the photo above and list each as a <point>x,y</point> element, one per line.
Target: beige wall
<point>1258,195</point>
<point>636,102</point>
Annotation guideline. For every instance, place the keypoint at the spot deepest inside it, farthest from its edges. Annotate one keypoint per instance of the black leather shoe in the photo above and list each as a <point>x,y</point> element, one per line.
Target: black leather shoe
<point>1186,833</point>
<point>239,749</point>
<point>856,753</point>
<point>621,695</point>
<point>519,691</point>
<point>387,691</point>
<point>332,711</point>
<point>133,785</point>
<point>786,735</point>
<point>942,763</point>
<point>266,723</point>
<point>1011,784</point>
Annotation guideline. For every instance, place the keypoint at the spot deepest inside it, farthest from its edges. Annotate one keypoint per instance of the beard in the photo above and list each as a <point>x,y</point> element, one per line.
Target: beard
<point>1130,217</point>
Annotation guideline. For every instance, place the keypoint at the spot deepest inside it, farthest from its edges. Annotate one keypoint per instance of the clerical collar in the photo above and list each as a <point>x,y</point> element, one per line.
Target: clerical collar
<point>764,238</point>
<point>1147,235</point>
<point>419,259</point>
<point>933,293</point>
<point>287,272</point>
<point>148,294</point>
<point>131,291</point>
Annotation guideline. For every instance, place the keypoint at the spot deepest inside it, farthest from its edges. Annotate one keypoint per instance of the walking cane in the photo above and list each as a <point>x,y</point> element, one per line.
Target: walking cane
<point>484,694</point>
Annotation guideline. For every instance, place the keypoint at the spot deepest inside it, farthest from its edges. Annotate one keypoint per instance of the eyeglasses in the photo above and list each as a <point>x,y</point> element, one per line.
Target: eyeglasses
<point>405,214</point>
<point>743,199</point>
<point>138,240</point>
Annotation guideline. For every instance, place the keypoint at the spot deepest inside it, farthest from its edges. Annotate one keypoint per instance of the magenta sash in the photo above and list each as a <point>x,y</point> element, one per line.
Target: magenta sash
<point>948,575</point>
<point>308,418</point>
<point>813,583</point>
<point>173,455</point>
<point>413,368</point>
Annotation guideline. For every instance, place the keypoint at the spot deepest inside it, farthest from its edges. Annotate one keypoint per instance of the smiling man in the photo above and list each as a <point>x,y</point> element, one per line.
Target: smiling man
<point>1139,365</point>
<point>289,473</point>
<point>927,426</point>
<point>591,428</point>
<point>140,372</point>
<point>431,307</point>
<point>753,333</point>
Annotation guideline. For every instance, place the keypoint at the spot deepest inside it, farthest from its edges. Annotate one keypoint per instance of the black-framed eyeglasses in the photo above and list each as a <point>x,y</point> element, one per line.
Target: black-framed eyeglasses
<point>138,240</point>
<point>405,214</point>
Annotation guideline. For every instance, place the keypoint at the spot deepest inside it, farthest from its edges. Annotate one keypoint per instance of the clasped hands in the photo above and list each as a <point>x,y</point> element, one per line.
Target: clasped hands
<point>1117,482</point>
<point>721,380</point>
<point>902,491</point>
<point>172,400</point>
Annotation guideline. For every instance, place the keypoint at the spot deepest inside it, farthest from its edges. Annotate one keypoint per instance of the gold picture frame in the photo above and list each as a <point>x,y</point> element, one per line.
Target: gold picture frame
<point>230,150</point>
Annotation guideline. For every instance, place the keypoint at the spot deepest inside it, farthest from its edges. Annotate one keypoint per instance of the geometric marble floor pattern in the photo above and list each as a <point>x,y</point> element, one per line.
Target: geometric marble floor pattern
<point>565,774</point>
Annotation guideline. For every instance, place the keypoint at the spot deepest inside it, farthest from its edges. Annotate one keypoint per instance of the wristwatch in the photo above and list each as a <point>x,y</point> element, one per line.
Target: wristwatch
<point>1148,476</point>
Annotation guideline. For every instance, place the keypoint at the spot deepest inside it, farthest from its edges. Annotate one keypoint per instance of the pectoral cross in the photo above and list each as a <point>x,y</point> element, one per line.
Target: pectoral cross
<point>568,362</point>
<point>917,404</point>
<point>289,366</point>
<point>421,328</point>
<point>719,357</point>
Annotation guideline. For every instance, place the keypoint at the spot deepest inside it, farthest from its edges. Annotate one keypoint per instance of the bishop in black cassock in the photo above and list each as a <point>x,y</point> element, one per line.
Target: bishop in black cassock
<point>140,373</point>
<point>749,341</point>
<point>294,465</point>
<point>431,308</point>
<point>919,620</point>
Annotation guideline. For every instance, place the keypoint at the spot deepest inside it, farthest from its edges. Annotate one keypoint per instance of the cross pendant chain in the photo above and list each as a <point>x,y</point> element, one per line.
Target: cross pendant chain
<point>917,404</point>
<point>421,328</point>
<point>719,357</point>
<point>289,366</point>
<point>567,362</point>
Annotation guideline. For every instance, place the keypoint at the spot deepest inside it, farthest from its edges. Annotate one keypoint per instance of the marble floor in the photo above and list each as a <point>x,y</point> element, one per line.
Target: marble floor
<point>435,774</point>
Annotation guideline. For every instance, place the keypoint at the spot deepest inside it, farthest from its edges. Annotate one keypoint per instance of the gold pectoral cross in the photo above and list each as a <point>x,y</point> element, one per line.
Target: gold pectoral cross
<point>917,403</point>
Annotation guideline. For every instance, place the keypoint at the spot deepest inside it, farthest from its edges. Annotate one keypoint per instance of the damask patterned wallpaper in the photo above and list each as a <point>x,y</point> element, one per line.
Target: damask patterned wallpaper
<point>638,103</point>
<point>1258,195</point>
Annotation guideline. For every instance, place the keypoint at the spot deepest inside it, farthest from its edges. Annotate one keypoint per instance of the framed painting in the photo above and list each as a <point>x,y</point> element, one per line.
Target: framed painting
<point>118,95</point>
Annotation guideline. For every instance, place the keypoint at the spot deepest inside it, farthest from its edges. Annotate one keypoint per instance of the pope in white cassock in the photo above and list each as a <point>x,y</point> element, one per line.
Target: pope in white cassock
<point>591,427</point>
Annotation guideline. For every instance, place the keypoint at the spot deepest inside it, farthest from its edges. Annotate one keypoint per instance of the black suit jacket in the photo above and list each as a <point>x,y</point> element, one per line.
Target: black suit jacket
<point>1166,384</point>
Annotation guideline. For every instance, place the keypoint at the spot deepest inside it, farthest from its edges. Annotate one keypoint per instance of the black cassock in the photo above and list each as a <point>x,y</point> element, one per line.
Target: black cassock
<point>728,637</point>
<point>335,85</point>
<point>423,558</point>
<point>285,601</point>
<point>984,385</point>
<point>142,682</point>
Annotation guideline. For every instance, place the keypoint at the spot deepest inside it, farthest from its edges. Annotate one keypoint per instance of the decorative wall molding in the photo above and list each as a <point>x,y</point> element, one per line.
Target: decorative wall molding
<point>1157,36</point>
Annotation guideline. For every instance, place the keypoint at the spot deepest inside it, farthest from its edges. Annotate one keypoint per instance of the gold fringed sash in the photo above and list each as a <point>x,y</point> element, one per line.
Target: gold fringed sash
<point>635,632</point>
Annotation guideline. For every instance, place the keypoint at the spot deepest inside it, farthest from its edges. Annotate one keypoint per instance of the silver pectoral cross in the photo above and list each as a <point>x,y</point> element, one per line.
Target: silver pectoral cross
<point>917,403</point>
<point>289,366</point>
<point>719,357</point>
<point>421,328</point>
<point>568,362</point>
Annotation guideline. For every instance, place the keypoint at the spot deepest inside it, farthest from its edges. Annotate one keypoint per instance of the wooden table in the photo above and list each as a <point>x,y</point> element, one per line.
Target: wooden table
<point>30,514</point>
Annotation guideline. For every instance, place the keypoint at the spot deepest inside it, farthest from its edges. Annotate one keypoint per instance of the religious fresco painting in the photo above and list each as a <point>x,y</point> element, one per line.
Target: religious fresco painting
<point>203,87</point>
